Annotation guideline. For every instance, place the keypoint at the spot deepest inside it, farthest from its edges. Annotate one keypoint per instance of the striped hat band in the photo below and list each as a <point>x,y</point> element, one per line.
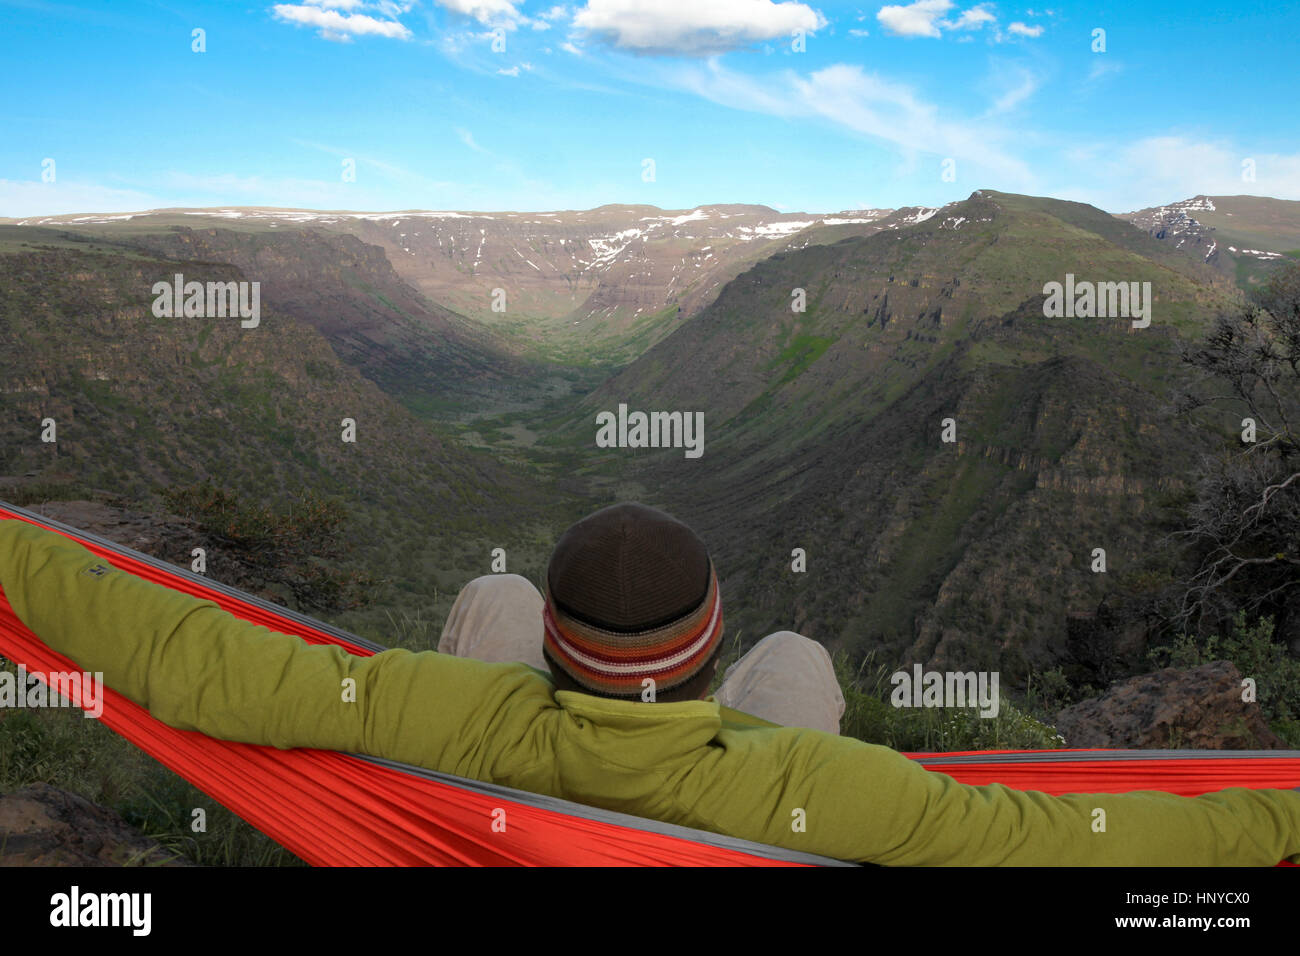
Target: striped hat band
<point>615,663</point>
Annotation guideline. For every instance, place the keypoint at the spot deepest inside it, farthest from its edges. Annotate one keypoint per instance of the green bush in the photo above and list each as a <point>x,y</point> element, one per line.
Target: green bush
<point>870,716</point>
<point>1254,652</point>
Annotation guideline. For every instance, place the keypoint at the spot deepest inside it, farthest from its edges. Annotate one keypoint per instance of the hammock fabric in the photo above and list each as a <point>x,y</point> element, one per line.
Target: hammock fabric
<point>335,809</point>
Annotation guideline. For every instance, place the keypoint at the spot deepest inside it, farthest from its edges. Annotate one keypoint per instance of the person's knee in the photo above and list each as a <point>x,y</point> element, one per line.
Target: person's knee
<point>783,652</point>
<point>788,679</point>
<point>788,637</point>
<point>792,644</point>
<point>503,586</point>
<point>496,617</point>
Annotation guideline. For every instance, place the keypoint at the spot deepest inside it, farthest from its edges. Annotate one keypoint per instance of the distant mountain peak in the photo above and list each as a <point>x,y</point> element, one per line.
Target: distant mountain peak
<point>1243,236</point>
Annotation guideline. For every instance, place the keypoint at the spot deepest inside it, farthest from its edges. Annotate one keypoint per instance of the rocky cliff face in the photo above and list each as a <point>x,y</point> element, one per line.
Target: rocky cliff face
<point>610,281</point>
<point>347,290</point>
<point>1176,224</point>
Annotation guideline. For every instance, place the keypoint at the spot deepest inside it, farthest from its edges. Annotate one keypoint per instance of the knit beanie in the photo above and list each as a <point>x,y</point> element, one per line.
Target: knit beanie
<point>631,593</point>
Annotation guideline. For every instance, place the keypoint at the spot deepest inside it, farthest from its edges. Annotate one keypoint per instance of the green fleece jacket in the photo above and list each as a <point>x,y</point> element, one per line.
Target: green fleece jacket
<point>196,667</point>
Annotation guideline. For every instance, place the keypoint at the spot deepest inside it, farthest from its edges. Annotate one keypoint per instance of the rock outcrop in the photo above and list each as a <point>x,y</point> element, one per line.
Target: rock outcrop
<point>41,825</point>
<point>1200,708</point>
<point>166,536</point>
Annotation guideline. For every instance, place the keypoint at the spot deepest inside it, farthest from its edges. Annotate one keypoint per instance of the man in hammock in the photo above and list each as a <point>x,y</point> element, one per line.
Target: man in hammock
<point>627,601</point>
<point>633,583</point>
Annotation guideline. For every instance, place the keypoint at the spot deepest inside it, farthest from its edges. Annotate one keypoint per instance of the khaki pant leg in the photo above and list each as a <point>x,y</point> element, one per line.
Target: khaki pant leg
<point>496,618</point>
<point>787,679</point>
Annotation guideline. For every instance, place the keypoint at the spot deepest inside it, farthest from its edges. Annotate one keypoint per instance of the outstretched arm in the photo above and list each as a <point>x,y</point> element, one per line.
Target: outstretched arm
<point>195,667</point>
<point>871,804</point>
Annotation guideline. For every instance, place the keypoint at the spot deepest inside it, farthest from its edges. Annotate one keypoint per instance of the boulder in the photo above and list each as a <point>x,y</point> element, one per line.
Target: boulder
<point>1200,708</point>
<point>41,825</point>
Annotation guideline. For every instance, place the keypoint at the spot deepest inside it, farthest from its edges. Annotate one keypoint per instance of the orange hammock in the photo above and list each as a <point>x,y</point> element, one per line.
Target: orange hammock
<point>335,809</point>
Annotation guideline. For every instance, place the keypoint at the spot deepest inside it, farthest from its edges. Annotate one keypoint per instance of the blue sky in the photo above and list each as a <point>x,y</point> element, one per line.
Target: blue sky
<point>511,104</point>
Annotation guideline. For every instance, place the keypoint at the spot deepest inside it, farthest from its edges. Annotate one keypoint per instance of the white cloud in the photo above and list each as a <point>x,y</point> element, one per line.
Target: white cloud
<point>1162,169</point>
<point>337,26</point>
<point>568,47</point>
<point>919,19</point>
<point>1020,29</point>
<point>972,19</point>
<point>926,18</point>
<point>859,33</point>
<point>694,27</point>
<point>491,13</point>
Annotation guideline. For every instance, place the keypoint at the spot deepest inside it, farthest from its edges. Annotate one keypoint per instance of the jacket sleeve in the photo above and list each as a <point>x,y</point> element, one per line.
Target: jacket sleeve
<point>871,804</point>
<point>196,667</point>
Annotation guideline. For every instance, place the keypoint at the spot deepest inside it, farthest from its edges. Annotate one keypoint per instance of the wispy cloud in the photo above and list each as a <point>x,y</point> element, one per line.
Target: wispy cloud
<point>502,14</point>
<point>547,18</point>
<point>927,18</point>
<point>1016,84</point>
<point>339,27</point>
<point>467,138</point>
<point>1103,65</point>
<point>848,96</point>
<point>230,188</point>
<point>1023,30</point>
<point>394,173</point>
<point>972,19</point>
<point>1167,168</point>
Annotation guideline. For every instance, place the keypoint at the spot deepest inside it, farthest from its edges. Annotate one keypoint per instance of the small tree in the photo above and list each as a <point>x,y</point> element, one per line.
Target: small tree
<point>1244,522</point>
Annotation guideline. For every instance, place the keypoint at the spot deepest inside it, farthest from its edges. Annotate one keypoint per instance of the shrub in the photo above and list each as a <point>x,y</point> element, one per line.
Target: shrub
<point>1257,655</point>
